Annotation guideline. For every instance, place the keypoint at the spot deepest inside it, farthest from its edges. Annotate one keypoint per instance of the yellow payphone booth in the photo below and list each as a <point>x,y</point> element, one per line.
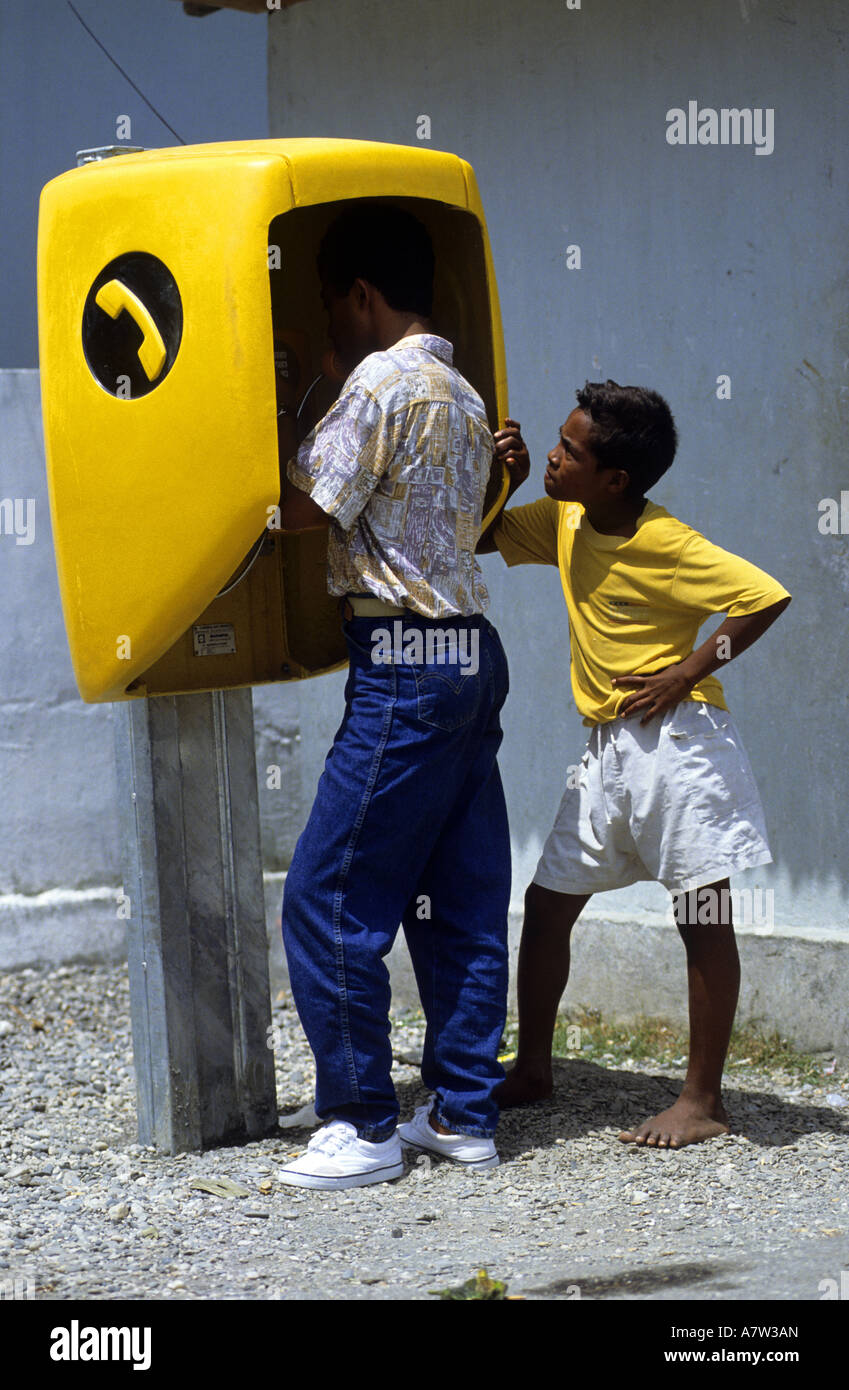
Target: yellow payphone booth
<point>179,311</point>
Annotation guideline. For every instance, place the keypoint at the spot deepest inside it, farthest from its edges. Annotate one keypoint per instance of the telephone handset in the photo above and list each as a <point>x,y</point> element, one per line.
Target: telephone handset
<point>296,401</point>
<point>113,298</point>
<point>291,355</point>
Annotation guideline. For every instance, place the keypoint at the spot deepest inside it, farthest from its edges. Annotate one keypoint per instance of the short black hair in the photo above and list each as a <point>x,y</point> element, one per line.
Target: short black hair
<point>632,429</point>
<point>386,245</point>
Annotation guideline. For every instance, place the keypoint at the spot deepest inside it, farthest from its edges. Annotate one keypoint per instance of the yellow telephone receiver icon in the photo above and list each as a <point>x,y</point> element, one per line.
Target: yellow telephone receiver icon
<point>115,296</point>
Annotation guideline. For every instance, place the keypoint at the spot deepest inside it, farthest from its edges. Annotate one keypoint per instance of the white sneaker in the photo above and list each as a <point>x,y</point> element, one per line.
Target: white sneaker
<point>337,1157</point>
<point>471,1150</point>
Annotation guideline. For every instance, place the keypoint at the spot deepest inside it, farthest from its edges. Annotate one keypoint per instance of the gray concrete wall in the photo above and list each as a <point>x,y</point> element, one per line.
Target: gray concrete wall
<point>60,868</point>
<point>60,856</point>
<point>695,262</point>
<point>59,93</point>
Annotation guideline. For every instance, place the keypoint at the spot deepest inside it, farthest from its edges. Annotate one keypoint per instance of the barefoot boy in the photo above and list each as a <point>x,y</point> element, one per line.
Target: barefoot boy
<point>664,790</point>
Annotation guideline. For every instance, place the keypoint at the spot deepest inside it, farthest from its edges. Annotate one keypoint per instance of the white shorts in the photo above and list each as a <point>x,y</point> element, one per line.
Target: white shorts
<point>673,800</point>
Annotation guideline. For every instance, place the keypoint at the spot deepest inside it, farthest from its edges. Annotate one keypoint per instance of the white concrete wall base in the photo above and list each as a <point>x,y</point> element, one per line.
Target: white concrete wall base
<point>793,982</point>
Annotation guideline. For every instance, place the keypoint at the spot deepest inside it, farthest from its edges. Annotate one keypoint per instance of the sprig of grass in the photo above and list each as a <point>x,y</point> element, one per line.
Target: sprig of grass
<point>482,1286</point>
<point>658,1040</point>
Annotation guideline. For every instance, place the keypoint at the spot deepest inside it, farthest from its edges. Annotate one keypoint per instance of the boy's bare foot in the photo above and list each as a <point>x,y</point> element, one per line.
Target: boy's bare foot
<point>688,1121</point>
<point>523,1085</point>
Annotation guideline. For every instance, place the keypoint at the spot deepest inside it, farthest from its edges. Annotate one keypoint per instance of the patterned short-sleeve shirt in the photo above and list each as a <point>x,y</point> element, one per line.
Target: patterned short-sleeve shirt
<point>400,463</point>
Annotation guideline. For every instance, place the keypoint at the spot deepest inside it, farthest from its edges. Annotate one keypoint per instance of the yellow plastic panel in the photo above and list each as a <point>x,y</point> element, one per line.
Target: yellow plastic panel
<point>156,498</point>
<point>161,476</point>
<point>324,171</point>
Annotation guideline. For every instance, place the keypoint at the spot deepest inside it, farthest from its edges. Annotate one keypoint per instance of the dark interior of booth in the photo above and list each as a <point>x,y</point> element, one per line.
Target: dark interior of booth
<point>285,626</point>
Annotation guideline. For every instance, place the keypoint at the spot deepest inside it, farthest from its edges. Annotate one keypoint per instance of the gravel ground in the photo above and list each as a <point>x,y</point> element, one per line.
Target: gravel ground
<point>88,1213</point>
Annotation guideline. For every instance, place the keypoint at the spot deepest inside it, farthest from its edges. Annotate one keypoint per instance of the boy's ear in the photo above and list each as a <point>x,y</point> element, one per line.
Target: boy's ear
<point>365,293</point>
<point>618,480</point>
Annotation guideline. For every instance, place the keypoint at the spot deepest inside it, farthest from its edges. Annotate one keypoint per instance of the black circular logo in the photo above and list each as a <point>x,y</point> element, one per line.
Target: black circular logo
<point>132,324</point>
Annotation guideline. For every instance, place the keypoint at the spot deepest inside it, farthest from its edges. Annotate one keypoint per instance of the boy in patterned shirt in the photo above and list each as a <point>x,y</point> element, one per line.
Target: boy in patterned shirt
<point>665,790</point>
<point>409,822</point>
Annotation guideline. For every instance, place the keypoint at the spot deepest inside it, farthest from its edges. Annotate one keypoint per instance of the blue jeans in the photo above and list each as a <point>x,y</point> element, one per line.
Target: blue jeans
<point>408,827</point>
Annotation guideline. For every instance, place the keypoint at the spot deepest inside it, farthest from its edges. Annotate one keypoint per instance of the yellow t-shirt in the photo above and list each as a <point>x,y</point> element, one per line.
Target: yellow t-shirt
<point>635,602</point>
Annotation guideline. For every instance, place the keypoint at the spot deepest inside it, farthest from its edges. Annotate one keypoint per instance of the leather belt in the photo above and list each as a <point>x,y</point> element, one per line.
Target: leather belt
<point>368,606</point>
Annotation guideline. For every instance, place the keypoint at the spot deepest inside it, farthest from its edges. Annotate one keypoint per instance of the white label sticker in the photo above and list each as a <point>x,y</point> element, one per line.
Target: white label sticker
<point>214,639</point>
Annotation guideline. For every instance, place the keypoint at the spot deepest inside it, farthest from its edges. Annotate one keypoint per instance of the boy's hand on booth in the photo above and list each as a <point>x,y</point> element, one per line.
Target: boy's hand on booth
<point>511,449</point>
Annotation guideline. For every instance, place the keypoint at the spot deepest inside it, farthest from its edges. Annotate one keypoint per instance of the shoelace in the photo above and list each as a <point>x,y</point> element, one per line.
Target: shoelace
<point>331,1138</point>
